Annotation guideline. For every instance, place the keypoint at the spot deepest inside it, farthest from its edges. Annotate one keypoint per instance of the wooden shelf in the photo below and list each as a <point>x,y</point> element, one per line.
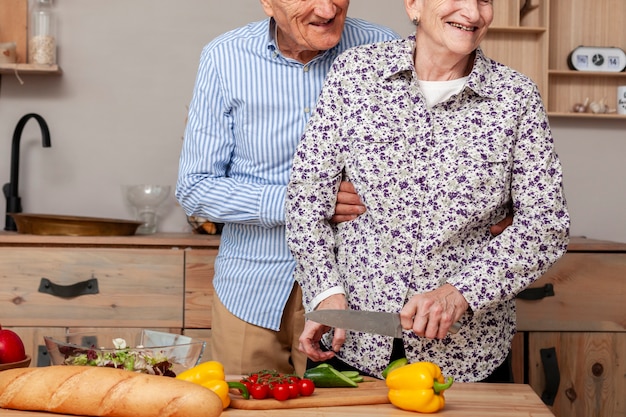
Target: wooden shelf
<point>30,69</point>
<point>591,74</point>
<point>539,42</point>
<point>517,29</point>
<point>611,116</point>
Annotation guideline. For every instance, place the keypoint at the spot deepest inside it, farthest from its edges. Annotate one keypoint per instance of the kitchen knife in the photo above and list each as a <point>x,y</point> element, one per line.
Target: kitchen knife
<point>364,321</point>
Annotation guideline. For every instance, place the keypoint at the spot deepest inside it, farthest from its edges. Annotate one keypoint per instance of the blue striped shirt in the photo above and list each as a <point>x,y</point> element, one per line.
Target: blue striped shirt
<point>249,109</point>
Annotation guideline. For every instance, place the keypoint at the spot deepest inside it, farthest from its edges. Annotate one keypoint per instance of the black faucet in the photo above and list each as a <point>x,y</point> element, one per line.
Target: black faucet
<point>10,189</point>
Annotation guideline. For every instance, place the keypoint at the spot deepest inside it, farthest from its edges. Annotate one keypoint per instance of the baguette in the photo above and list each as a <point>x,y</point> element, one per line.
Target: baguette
<point>104,392</point>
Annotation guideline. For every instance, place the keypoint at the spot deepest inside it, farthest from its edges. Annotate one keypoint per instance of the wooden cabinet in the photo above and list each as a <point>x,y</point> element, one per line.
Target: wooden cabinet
<point>572,344</point>
<point>199,270</point>
<point>536,37</point>
<point>50,284</point>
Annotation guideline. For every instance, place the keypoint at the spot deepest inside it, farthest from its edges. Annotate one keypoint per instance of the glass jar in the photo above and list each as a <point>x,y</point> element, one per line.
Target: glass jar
<point>42,41</point>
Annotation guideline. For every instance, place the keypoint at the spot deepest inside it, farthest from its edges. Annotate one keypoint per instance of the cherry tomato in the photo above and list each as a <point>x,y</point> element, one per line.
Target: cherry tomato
<point>293,389</point>
<point>247,383</point>
<point>280,391</point>
<point>306,387</point>
<point>259,391</point>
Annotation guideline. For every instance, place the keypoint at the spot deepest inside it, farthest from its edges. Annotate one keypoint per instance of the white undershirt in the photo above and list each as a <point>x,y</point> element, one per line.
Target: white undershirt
<point>436,92</point>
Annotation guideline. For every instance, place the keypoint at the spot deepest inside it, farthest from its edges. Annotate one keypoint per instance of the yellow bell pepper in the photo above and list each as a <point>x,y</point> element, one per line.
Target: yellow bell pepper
<point>418,387</point>
<point>221,388</point>
<point>211,375</point>
<point>205,371</point>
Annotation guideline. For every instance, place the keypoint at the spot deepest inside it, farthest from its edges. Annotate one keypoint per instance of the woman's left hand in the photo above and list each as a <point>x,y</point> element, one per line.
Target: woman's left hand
<point>432,314</point>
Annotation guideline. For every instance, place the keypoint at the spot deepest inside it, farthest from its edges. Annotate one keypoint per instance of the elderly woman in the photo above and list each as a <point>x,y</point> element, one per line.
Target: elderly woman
<point>438,141</point>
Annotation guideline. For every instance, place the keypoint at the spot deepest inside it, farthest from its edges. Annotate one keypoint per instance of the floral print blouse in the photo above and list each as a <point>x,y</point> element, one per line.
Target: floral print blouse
<point>433,181</point>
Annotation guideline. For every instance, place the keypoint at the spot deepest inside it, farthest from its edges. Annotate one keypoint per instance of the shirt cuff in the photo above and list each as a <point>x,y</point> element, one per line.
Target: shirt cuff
<point>272,208</point>
<point>324,295</point>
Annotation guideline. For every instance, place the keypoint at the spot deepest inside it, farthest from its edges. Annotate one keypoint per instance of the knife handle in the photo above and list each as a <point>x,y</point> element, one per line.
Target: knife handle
<point>454,329</point>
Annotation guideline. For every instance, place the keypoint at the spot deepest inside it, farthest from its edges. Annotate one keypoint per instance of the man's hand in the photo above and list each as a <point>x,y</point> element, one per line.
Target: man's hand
<point>499,227</point>
<point>349,205</point>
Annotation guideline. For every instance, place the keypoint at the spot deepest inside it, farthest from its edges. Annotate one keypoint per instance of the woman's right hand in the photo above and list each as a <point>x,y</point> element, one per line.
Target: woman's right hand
<point>313,331</point>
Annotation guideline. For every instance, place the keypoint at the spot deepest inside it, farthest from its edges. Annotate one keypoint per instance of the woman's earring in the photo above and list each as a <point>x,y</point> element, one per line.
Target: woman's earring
<point>416,21</point>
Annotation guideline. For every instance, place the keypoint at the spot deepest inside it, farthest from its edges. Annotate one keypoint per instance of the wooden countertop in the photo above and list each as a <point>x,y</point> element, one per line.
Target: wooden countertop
<point>156,240</point>
<point>577,243</point>
<point>462,400</point>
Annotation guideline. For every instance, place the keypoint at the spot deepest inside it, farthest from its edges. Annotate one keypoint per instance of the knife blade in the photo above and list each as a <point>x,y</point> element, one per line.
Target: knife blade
<point>387,324</point>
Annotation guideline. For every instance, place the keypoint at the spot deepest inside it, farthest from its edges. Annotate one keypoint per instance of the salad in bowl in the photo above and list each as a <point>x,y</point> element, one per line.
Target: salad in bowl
<point>145,351</point>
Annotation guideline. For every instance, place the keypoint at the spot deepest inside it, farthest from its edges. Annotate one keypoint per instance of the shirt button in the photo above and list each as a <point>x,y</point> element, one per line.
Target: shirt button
<point>307,109</point>
<point>305,68</point>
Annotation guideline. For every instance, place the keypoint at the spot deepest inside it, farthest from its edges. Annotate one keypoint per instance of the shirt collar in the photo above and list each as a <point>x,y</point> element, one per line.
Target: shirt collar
<point>271,35</point>
<point>478,80</point>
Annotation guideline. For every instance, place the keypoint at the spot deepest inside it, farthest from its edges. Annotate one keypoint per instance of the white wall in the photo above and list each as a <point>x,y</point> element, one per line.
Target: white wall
<point>117,112</point>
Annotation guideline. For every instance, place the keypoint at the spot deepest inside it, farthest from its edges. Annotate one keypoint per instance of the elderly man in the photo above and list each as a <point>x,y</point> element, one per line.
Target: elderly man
<point>255,90</point>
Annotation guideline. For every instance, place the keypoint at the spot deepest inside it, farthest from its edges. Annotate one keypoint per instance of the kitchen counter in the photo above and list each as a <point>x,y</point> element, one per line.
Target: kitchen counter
<point>154,240</point>
<point>577,243</point>
<point>462,400</point>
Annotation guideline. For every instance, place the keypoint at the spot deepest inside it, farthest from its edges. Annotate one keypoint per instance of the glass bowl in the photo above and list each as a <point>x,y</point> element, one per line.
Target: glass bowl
<point>145,351</point>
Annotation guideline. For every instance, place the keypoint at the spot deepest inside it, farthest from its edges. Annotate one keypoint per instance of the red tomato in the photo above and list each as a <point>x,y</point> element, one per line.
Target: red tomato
<point>259,391</point>
<point>247,383</point>
<point>280,392</point>
<point>11,347</point>
<point>293,389</point>
<point>306,387</point>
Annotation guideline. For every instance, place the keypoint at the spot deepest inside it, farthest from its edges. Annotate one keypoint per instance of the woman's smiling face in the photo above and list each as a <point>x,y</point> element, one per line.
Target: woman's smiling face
<point>455,26</point>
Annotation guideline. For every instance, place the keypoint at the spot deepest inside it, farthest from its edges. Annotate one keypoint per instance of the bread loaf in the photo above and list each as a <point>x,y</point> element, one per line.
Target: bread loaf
<point>104,392</point>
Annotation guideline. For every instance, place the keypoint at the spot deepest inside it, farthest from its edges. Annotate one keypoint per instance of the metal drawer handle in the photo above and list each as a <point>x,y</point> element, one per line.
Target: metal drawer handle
<point>552,375</point>
<point>537,293</point>
<point>69,291</point>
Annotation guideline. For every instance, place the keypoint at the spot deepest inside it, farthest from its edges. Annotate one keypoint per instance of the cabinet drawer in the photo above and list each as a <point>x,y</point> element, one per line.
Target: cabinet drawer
<point>589,294</point>
<point>136,288</point>
<point>199,271</point>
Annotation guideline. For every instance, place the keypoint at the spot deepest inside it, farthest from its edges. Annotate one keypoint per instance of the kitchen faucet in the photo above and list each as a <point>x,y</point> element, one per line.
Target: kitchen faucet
<point>10,189</point>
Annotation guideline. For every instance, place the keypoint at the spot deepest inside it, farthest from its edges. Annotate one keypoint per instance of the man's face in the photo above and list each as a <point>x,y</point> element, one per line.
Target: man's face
<point>306,27</point>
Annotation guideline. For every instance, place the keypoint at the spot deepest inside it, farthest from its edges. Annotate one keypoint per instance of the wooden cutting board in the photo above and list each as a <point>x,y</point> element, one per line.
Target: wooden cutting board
<point>368,392</point>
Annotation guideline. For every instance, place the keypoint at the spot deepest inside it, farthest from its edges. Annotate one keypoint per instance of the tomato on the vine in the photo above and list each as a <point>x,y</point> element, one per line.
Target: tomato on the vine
<point>247,383</point>
<point>273,384</point>
<point>280,391</point>
<point>259,391</point>
<point>293,389</point>
<point>306,387</point>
